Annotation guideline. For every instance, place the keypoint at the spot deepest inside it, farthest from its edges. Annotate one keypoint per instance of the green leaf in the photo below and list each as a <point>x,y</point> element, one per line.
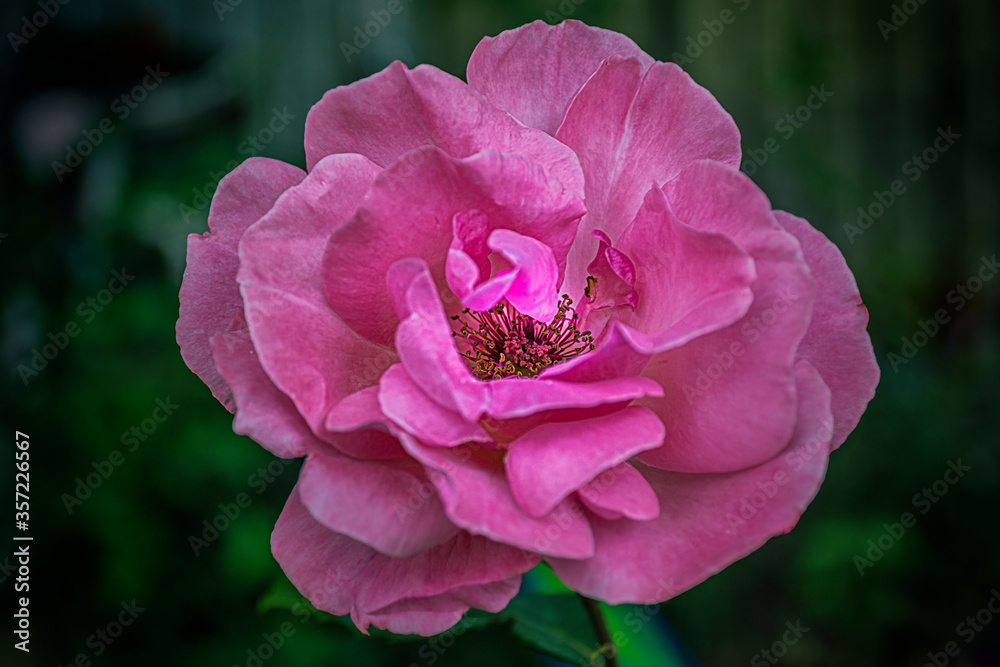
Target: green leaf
<point>283,595</point>
<point>555,625</point>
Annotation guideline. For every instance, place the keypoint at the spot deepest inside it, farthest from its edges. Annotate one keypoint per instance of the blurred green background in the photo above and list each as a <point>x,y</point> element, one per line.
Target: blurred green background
<point>898,75</point>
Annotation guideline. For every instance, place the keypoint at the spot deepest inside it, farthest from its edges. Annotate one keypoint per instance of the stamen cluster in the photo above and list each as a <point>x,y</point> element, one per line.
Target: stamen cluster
<point>504,343</point>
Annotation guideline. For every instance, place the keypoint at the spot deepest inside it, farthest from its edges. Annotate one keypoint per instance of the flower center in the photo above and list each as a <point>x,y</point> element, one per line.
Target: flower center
<point>503,342</point>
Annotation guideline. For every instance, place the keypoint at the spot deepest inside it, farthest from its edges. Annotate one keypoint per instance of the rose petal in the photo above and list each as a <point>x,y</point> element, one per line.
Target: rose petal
<point>340,575</point>
<point>262,411</point>
<point>515,397</point>
<point>468,256</point>
<point>279,277</point>
<point>268,416</point>
<point>408,406</point>
<point>633,128</point>
<point>549,463</point>
<point>388,505</point>
<point>689,282</point>
<point>476,496</point>
<point>390,113</point>
<point>425,345</point>
<point>209,295</point>
<point>520,404</point>
<point>490,292</point>
<point>613,274</point>
<point>533,72</point>
<point>530,286</point>
<point>837,341</point>
<point>729,398</point>
<point>616,355</point>
<point>357,410</point>
<point>364,429</point>
<point>534,291</point>
<point>421,616</point>
<point>619,492</point>
<point>707,521</point>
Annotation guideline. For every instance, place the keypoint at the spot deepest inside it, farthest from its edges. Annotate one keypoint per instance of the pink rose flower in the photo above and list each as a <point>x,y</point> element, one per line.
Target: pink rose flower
<point>538,315</point>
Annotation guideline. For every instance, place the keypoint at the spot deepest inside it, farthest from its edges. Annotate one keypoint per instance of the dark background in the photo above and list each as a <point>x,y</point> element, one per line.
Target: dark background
<point>133,200</point>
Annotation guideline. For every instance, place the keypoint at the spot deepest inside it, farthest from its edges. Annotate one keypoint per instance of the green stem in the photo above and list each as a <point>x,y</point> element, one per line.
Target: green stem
<point>606,645</point>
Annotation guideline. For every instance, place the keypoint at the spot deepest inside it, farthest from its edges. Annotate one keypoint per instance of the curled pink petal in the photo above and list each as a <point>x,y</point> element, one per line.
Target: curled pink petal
<point>477,497</point>
<point>425,345</point>
<point>490,292</point>
<point>403,401</point>
<point>545,465</point>
<point>689,282</point>
<point>619,492</point>
<point>388,505</point>
<point>534,289</point>
<point>729,395</point>
<point>210,296</point>
<point>836,342</point>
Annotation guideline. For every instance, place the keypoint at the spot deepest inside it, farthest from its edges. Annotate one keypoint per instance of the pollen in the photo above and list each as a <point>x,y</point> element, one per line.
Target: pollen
<point>504,343</point>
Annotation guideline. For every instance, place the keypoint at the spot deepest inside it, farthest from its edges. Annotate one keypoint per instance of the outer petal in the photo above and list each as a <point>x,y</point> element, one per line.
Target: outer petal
<point>268,416</point>
<point>397,110</point>
<point>421,616</point>
<point>415,616</point>
<point>533,72</point>
<point>550,462</point>
<point>262,411</point>
<point>730,395</point>
<point>209,294</point>
<point>632,130</point>
<point>704,522</point>
<point>388,505</point>
<point>836,342</point>
<point>476,496</point>
<point>340,575</point>
<point>409,214</point>
<point>280,280</point>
